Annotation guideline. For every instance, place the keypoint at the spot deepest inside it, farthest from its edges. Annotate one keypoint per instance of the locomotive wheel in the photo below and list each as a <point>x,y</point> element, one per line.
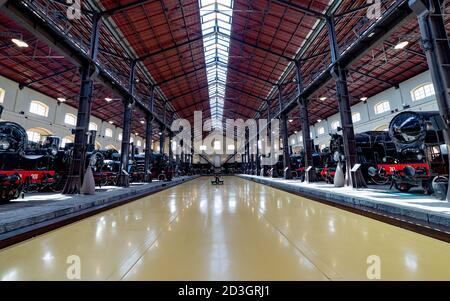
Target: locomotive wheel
<point>380,180</point>
<point>162,177</point>
<point>403,187</point>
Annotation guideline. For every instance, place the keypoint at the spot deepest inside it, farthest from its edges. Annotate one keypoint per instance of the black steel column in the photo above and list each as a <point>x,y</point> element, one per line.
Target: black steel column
<point>284,129</point>
<point>171,163</point>
<point>161,139</point>
<point>258,159</point>
<point>437,50</point>
<point>149,139</point>
<point>78,162</point>
<point>272,143</point>
<point>355,180</point>
<point>124,179</point>
<point>310,176</point>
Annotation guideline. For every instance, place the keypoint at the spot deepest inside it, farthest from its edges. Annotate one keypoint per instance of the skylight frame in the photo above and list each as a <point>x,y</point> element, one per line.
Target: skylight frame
<point>216,22</point>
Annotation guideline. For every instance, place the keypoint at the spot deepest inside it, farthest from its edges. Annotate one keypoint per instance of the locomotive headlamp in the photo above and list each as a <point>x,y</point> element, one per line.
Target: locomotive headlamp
<point>54,151</point>
<point>419,157</point>
<point>4,144</point>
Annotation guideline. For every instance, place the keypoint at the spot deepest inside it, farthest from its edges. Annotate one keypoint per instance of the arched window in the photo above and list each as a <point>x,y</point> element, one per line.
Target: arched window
<point>93,126</point>
<point>35,134</point>
<point>422,92</point>
<point>382,107</point>
<point>356,117</point>
<point>2,95</point>
<point>108,133</point>
<point>321,131</point>
<point>70,119</point>
<point>119,137</point>
<point>335,125</point>
<point>39,108</point>
<point>131,140</point>
<point>383,127</point>
<point>139,143</point>
<point>67,139</point>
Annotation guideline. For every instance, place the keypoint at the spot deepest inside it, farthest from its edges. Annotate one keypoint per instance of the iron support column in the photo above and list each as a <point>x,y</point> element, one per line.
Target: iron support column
<point>148,140</point>
<point>124,179</point>
<point>78,163</point>
<point>310,176</point>
<point>161,139</point>
<point>356,180</point>
<point>284,128</point>
<point>258,159</point>
<point>437,50</point>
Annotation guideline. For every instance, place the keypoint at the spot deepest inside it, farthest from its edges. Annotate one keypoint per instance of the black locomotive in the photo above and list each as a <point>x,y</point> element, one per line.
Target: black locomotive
<point>421,158</point>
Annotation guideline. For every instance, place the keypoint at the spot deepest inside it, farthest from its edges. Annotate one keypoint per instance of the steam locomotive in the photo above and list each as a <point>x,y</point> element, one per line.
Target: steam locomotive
<point>373,148</point>
<point>28,166</point>
<point>421,154</point>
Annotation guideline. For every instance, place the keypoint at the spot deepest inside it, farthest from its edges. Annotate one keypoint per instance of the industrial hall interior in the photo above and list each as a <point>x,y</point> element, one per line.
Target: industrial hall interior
<point>224,140</point>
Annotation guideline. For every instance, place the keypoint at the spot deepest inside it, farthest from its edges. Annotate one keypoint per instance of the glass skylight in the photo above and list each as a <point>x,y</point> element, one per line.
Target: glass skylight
<point>216,17</point>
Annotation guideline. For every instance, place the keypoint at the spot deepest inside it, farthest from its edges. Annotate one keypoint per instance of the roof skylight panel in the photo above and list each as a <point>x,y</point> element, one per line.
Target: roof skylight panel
<point>216,17</point>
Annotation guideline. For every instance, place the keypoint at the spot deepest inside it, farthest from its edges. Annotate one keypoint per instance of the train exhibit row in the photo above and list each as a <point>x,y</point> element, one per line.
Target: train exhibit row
<point>224,140</point>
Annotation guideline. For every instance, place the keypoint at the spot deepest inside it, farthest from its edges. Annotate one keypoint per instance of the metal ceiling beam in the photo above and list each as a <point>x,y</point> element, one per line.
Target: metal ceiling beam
<point>242,105</point>
<point>188,92</point>
<point>29,83</point>
<point>148,55</point>
<point>250,75</point>
<point>300,8</point>
<point>259,48</point>
<point>180,76</point>
<point>244,92</point>
<point>374,78</point>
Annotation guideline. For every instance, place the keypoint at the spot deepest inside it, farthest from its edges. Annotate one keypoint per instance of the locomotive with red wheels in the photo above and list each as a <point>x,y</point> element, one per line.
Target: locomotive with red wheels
<point>421,154</point>
<point>27,166</point>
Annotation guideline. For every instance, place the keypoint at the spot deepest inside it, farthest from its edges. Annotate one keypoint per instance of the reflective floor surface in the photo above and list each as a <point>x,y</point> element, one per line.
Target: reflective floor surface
<point>239,231</point>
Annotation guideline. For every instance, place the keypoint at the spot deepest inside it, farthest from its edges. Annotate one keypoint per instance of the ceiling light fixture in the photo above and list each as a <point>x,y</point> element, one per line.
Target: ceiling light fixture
<point>323,98</point>
<point>61,99</point>
<point>111,122</point>
<point>401,45</point>
<point>108,99</point>
<point>19,43</point>
<point>319,120</point>
<point>363,98</point>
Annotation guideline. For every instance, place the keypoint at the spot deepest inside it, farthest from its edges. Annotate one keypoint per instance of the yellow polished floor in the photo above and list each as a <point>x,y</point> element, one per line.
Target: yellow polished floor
<point>239,231</point>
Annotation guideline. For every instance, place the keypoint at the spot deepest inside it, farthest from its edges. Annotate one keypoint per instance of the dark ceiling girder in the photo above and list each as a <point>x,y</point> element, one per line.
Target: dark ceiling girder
<point>244,92</point>
<point>243,105</point>
<point>29,83</point>
<point>148,55</point>
<point>121,8</point>
<point>250,75</point>
<point>260,48</point>
<point>44,31</point>
<point>179,76</point>
<point>188,92</point>
<point>300,8</point>
<point>374,78</point>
